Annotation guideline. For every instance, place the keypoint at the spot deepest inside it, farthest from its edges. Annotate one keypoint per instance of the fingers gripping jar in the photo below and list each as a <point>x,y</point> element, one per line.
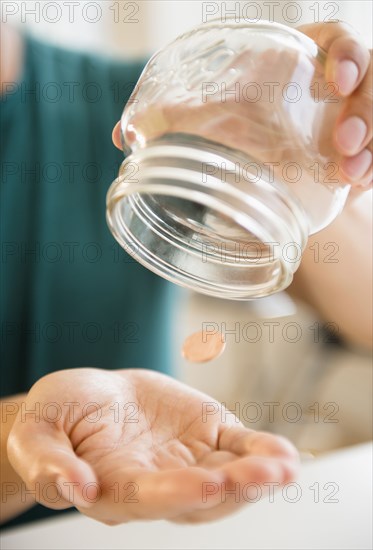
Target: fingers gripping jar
<point>230,163</point>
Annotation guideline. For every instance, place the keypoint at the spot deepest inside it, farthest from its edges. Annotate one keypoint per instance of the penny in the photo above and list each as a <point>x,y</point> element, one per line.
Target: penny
<point>202,346</point>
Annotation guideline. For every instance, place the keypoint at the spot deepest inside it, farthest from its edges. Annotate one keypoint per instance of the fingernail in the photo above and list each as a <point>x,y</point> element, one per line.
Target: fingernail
<point>356,167</point>
<point>346,75</point>
<point>351,134</point>
<point>70,492</point>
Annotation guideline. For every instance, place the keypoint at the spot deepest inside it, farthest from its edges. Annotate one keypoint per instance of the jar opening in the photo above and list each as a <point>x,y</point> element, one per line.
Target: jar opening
<point>187,225</point>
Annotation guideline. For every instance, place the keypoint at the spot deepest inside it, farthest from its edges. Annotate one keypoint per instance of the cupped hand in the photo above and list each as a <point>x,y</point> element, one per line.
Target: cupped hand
<point>136,444</point>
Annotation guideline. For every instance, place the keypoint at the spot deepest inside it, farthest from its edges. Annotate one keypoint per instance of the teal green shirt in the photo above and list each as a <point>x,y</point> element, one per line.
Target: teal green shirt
<point>70,296</point>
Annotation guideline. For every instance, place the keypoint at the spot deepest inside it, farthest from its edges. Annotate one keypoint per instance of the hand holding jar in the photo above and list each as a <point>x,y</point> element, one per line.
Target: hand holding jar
<point>246,139</point>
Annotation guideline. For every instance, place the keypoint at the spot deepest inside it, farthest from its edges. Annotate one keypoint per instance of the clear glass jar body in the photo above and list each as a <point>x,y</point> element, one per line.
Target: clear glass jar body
<point>231,165</point>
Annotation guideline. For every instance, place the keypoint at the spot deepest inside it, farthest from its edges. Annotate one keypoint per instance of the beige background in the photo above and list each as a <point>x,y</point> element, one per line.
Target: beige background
<point>137,28</point>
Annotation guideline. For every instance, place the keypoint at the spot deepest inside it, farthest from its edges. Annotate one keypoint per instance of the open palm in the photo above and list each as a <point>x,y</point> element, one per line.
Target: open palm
<point>136,444</point>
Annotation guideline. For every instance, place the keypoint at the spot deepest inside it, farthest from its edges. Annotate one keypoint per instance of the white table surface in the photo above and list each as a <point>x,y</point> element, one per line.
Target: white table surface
<point>305,524</point>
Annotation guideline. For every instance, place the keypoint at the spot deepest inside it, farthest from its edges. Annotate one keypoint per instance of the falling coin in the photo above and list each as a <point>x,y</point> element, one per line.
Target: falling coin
<point>201,347</point>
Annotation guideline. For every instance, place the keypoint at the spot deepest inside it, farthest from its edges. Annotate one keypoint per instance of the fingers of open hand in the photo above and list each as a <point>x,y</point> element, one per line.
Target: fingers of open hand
<point>267,461</point>
<point>167,494</point>
<point>245,462</point>
<point>243,441</point>
<point>190,494</point>
<point>263,455</point>
<point>246,479</point>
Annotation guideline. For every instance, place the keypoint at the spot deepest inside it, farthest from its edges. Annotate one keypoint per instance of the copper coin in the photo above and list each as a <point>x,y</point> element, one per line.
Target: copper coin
<point>202,346</point>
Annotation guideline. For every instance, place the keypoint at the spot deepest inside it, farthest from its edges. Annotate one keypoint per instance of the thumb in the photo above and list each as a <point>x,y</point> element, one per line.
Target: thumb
<point>116,136</point>
<point>42,455</point>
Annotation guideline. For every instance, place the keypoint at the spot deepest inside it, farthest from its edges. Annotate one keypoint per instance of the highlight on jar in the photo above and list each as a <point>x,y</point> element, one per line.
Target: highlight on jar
<point>229,159</point>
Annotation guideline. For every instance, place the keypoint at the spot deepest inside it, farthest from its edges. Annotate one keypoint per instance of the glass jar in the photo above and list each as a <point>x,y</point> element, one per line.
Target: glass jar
<point>230,161</point>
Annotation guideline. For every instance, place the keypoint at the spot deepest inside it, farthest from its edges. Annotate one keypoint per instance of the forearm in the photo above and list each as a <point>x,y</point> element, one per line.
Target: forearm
<point>14,498</point>
<point>336,279</point>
